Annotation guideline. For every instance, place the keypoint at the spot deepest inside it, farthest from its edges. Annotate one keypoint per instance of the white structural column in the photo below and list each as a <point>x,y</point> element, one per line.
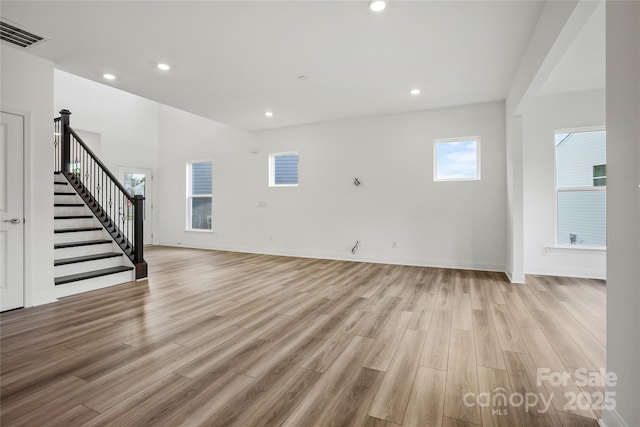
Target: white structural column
<point>557,27</point>
<point>623,210</point>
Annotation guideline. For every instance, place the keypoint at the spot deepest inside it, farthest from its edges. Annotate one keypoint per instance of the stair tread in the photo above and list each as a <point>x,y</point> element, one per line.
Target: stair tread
<point>85,258</point>
<point>72,216</point>
<point>91,274</point>
<point>81,243</point>
<point>77,229</point>
<point>68,204</point>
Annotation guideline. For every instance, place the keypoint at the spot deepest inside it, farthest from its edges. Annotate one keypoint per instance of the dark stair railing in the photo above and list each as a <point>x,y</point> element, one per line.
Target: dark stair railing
<point>120,213</point>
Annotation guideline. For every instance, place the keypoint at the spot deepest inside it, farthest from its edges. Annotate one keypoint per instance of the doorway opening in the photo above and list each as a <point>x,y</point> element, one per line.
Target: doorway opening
<point>139,181</point>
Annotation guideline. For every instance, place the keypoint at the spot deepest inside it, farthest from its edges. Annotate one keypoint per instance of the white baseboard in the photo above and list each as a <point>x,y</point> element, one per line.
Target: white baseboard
<point>42,300</point>
<point>561,272</point>
<point>611,418</point>
<point>434,263</point>
<point>515,277</point>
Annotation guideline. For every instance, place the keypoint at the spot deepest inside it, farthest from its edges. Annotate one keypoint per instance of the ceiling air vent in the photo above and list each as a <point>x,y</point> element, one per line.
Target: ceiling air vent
<point>14,34</point>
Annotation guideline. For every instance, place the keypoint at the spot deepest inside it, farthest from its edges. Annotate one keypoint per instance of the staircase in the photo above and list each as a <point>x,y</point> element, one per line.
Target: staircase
<point>83,250</point>
<point>98,236</point>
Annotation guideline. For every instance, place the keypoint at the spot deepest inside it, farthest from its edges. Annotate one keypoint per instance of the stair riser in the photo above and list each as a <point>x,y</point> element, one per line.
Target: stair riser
<point>74,198</point>
<point>82,267</point>
<point>71,210</point>
<point>59,224</point>
<point>81,236</point>
<point>95,283</point>
<point>84,250</point>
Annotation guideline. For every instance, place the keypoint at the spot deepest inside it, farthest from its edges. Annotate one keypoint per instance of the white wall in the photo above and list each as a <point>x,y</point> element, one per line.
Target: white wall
<point>623,209</point>
<point>93,141</point>
<point>27,85</point>
<point>544,116</point>
<point>186,137</point>
<point>452,224</point>
<point>127,124</point>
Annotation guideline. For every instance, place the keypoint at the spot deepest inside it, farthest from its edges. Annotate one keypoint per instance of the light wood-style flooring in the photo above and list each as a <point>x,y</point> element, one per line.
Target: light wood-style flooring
<point>228,339</point>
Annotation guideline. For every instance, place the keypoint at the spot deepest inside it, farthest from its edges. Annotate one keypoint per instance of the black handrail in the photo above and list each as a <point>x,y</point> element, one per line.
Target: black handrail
<point>107,198</point>
<point>101,165</point>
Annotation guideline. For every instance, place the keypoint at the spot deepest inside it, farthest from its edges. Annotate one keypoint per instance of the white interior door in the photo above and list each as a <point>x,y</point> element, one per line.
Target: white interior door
<point>11,211</point>
<point>140,181</point>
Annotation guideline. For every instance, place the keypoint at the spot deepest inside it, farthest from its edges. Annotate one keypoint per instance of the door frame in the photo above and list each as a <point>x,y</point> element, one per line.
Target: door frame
<point>119,167</point>
<point>27,264</point>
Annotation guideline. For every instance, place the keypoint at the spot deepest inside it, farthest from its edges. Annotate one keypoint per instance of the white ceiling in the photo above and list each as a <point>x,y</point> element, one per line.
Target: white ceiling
<point>583,66</point>
<point>232,60</point>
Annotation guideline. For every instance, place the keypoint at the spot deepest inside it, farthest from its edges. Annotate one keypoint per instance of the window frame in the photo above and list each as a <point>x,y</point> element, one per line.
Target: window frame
<point>475,138</point>
<point>272,167</point>
<point>191,196</point>
<point>558,190</point>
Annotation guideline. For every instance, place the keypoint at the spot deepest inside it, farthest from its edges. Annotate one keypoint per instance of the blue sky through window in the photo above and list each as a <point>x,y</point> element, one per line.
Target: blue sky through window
<point>457,160</point>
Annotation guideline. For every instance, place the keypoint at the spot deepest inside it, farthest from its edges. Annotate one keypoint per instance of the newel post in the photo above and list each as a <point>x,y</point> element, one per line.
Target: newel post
<point>65,149</point>
<point>138,237</point>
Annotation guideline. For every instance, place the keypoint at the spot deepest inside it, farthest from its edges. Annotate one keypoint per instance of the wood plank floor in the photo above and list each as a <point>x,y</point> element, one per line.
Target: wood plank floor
<point>227,339</point>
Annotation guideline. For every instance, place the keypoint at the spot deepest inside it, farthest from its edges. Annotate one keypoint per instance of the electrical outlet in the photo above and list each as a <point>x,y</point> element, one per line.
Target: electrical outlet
<point>271,238</point>
<point>394,244</point>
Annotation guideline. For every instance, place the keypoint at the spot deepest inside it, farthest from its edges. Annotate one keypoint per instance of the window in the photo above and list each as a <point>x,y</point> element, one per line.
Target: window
<point>199,195</point>
<point>599,175</point>
<point>283,169</point>
<point>457,159</point>
<point>581,179</point>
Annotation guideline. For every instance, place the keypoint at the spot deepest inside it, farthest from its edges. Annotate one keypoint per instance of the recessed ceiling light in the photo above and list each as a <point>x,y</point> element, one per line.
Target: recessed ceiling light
<point>268,113</point>
<point>109,76</point>
<point>415,92</point>
<point>377,5</point>
<point>164,67</point>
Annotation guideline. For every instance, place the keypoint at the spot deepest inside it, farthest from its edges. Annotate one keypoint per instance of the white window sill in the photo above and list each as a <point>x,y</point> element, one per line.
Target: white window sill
<point>199,231</point>
<point>576,248</point>
<point>456,179</point>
